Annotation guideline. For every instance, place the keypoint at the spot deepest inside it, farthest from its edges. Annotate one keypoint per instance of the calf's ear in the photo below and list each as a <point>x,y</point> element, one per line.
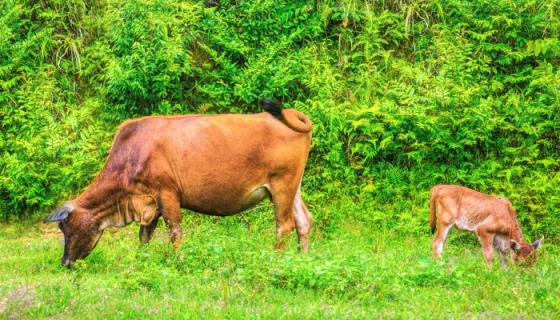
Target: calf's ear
<point>538,243</point>
<point>60,214</point>
<point>515,246</point>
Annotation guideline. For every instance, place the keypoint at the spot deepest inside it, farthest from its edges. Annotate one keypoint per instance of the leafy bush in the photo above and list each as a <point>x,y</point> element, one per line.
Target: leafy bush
<point>403,94</point>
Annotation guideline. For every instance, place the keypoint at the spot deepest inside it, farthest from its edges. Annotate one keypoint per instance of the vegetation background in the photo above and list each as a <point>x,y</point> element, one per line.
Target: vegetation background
<point>404,94</point>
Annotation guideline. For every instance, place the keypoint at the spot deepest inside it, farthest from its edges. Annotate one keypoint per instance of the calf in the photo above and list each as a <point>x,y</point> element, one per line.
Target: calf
<point>216,164</point>
<point>493,219</point>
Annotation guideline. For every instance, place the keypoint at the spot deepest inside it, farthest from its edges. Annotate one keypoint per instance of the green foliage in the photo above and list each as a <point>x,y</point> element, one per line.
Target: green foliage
<point>49,128</point>
<point>403,94</point>
<point>150,65</point>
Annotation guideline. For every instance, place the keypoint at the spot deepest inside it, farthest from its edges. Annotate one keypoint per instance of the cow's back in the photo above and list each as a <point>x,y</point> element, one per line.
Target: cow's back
<point>470,208</point>
<point>210,161</point>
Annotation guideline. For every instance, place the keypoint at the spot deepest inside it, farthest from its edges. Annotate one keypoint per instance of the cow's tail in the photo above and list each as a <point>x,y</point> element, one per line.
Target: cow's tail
<point>433,195</point>
<point>292,118</point>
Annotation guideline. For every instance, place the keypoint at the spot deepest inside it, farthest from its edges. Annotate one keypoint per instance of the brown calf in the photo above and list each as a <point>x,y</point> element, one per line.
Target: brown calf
<point>217,165</point>
<point>493,219</point>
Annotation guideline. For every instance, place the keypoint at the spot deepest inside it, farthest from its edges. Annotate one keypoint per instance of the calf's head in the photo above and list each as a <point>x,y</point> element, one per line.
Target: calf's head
<point>524,251</point>
<point>81,233</point>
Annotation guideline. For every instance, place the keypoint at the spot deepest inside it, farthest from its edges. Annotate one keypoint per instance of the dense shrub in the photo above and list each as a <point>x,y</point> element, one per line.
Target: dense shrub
<point>404,94</point>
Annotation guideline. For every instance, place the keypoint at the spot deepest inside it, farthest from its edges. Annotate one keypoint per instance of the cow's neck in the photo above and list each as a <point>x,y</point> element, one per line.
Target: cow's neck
<point>117,208</point>
<point>118,215</point>
<point>110,208</point>
<point>516,234</point>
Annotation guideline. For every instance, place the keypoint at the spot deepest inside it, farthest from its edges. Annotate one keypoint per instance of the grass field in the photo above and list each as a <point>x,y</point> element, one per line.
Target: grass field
<point>227,268</point>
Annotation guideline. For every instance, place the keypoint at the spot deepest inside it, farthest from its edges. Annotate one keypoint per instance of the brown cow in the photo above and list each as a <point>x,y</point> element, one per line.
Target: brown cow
<point>493,219</point>
<point>214,164</point>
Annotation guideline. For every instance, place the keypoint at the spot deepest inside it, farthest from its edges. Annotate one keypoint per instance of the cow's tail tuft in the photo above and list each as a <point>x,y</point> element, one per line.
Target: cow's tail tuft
<point>292,118</point>
<point>272,107</point>
<point>433,194</point>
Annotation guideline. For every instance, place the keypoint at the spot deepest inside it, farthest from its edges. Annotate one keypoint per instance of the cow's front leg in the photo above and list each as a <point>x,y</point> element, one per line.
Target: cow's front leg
<point>503,257</point>
<point>171,212</point>
<point>147,231</point>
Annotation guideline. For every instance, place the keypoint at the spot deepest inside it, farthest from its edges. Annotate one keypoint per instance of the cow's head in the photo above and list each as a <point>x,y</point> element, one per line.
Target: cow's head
<point>81,233</point>
<point>523,251</point>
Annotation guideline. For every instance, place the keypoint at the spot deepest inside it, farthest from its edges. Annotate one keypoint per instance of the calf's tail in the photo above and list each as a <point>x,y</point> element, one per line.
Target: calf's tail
<point>294,119</point>
<point>433,210</point>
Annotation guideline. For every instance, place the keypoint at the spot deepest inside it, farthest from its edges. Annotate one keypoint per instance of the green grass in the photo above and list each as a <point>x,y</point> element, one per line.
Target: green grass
<point>227,268</point>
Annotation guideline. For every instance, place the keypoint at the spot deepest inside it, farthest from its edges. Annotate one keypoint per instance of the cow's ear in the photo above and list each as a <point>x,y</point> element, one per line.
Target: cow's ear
<point>515,246</point>
<point>538,243</point>
<point>60,214</point>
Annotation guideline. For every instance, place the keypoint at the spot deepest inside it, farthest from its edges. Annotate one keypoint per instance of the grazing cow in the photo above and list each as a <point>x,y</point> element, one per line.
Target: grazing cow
<point>493,219</point>
<point>213,164</point>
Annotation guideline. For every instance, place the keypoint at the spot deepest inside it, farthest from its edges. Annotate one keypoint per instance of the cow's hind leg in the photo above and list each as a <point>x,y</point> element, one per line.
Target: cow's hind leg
<point>147,231</point>
<point>303,221</point>
<point>283,201</point>
<point>171,212</point>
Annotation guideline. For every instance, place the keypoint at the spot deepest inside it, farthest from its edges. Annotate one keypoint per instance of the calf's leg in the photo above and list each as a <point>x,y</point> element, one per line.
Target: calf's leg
<point>486,240</point>
<point>503,255</point>
<point>440,237</point>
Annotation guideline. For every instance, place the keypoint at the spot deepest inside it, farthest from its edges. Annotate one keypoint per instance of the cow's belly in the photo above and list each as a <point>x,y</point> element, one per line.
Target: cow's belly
<point>463,222</point>
<point>224,201</point>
